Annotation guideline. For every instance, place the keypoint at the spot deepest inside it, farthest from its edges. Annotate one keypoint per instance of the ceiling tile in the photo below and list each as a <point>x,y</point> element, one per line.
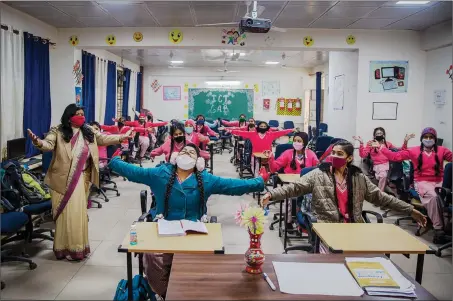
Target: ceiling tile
<point>72,3</point>
<point>172,14</point>
<point>214,3</point>
<point>27,3</point>
<point>209,14</point>
<point>371,23</point>
<point>407,24</point>
<point>133,15</point>
<point>393,12</point>
<point>297,16</point>
<point>439,12</point>
<point>38,11</point>
<point>83,11</point>
<point>270,12</point>
<point>312,3</point>
<point>332,22</point>
<point>61,21</point>
<point>349,12</point>
<point>361,3</point>
<point>99,22</point>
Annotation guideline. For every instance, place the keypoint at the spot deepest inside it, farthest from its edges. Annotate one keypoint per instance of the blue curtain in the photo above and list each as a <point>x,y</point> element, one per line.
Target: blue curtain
<point>139,93</point>
<point>110,105</point>
<point>126,86</point>
<point>88,84</point>
<point>37,104</point>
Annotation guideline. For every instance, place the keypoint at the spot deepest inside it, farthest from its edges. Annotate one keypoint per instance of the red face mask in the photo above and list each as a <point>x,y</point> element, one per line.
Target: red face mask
<point>77,121</point>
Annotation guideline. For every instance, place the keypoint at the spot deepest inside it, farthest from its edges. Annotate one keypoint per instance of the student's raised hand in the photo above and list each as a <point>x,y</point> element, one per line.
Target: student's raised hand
<point>130,133</point>
<point>409,137</point>
<point>358,138</point>
<point>265,199</point>
<point>375,144</point>
<point>264,174</point>
<point>114,119</point>
<point>35,139</point>
<point>419,217</point>
<point>267,153</point>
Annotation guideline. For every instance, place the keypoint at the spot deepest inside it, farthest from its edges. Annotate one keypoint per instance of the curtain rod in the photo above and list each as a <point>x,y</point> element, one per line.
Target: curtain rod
<point>15,31</point>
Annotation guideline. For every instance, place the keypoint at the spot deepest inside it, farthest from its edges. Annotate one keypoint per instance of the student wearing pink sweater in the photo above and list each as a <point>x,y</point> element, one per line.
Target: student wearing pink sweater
<point>373,149</point>
<point>238,123</point>
<point>427,160</point>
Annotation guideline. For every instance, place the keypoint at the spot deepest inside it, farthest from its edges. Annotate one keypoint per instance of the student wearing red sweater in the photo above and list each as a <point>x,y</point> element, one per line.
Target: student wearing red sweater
<point>373,149</point>
<point>427,160</point>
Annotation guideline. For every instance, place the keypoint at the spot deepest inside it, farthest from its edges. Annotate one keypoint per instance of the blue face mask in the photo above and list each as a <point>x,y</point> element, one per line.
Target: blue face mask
<point>189,130</point>
<point>428,143</point>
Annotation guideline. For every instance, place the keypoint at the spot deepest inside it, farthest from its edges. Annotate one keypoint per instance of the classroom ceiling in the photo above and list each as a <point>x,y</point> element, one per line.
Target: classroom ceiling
<point>284,14</point>
<point>215,58</point>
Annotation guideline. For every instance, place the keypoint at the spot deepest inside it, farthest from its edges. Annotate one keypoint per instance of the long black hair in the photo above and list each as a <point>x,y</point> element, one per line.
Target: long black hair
<point>383,131</point>
<point>173,129</point>
<point>304,137</point>
<point>199,178</point>
<point>351,171</point>
<point>420,158</point>
<point>66,128</point>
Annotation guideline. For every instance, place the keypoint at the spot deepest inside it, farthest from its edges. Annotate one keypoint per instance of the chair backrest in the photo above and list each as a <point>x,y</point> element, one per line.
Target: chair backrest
<point>323,143</point>
<point>396,170</point>
<point>274,123</point>
<point>322,128</point>
<point>111,149</point>
<point>447,176</point>
<point>306,170</point>
<point>288,125</point>
<point>247,153</point>
<point>46,159</point>
<point>335,140</point>
<point>281,148</point>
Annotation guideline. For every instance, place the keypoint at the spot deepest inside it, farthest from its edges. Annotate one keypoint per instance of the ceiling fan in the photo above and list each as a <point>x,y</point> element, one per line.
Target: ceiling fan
<point>257,10</point>
<point>225,69</point>
<point>229,56</point>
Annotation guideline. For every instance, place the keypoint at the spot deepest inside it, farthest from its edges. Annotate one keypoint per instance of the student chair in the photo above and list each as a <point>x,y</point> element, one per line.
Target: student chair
<point>288,125</point>
<point>444,194</point>
<point>11,225</point>
<point>322,144</point>
<point>274,123</point>
<point>322,129</point>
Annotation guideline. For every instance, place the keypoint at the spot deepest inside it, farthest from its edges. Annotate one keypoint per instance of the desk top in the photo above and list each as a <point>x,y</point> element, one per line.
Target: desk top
<point>260,155</point>
<point>368,238</point>
<point>222,277</point>
<point>149,241</point>
<point>288,178</point>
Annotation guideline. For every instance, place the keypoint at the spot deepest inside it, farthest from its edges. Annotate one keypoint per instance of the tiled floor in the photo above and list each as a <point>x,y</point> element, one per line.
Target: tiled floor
<point>97,277</point>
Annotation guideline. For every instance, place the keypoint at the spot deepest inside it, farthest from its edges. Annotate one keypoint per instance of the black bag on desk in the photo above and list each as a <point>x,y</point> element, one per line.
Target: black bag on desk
<point>30,189</point>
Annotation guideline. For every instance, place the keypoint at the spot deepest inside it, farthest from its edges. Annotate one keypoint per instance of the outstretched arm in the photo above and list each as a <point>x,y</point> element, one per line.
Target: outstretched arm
<point>132,172</point>
<point>396,156</point>
<point>279,163</point>
<point>447,155</point>
<point>301,187</point>
<point>48,143</point>
<point>243,134</point>
<point>211,132</point>
<point>113,129</point>
<point>156,124</point>
<point>211,125</point>
<point>278,134</point>
<point>230,123</point>
<point>364,151</point>
<point>229,186</point>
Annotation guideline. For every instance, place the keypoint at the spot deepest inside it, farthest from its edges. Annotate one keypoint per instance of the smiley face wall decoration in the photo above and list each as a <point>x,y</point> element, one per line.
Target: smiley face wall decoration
<point>175,36</point>
<point>308,41</point>
<point>138,36</point>
<point>110,40</point>
<point>350,39</point>
<point>73,40</point>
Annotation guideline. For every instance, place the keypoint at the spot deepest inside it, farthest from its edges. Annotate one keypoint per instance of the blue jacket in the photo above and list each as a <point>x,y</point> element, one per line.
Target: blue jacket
<point>184,201</point>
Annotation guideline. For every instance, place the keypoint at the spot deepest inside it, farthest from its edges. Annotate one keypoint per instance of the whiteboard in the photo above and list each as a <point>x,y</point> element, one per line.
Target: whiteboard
<point>385,110</point>
<point>338,92</point>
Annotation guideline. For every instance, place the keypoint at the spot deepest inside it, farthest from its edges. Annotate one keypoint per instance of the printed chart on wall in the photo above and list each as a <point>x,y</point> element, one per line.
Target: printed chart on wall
<point>338,92</point>
<point>221,103</point>
<point>171,92</point>
<point>270,88</point>
<point>385,111</point>
<point>388,76</point>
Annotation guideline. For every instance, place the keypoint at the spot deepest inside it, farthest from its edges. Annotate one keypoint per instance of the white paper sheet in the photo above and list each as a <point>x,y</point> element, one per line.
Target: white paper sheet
<point>331,279</point>
<point>385,110</point>
<point>338,92</point>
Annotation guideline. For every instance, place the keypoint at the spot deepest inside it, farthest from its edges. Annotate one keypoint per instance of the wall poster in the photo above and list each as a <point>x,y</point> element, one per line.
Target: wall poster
<point>172,92</point>
<point>388,76</point>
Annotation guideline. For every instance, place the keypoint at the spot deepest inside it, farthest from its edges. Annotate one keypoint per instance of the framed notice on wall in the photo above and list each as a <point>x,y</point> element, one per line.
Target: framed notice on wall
<point>171,93</point>
<point>388,76</point>
<point>385,111</point>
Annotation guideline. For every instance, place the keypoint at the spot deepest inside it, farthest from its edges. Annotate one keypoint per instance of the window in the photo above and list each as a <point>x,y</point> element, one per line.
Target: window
<point>119,92</point>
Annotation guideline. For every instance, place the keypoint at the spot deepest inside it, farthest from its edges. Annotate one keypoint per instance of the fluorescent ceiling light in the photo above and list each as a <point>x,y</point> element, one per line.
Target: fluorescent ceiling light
<point>412,2</point>
<point>223,82</point>
<point>240,54</point>
<point>177,62</point>
<point>272,63</point>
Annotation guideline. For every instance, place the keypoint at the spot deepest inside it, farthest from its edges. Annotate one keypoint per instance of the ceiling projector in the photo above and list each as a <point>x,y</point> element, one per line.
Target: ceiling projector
<point>255,25</point>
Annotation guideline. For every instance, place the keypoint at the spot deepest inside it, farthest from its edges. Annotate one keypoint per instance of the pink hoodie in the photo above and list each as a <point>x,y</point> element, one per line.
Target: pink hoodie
<point>427,172</point>
<point>261,143</point>
<point>286,157</point>
<point>233,123</point>
<point>165,148</point>
<point>376,154</point>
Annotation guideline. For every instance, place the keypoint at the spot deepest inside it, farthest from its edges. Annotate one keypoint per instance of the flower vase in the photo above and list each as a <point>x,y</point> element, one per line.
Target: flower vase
<point>254,256</point>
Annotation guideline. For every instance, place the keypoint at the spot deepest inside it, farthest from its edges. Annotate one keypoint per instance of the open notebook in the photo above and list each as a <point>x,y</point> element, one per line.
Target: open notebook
<point>180,228</point>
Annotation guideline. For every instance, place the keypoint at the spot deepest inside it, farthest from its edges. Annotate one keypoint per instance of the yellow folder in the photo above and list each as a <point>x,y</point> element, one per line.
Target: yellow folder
<point>371,274</point>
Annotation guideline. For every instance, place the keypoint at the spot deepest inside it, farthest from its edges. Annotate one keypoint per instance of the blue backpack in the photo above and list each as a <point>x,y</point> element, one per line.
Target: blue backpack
<point>140,290</point>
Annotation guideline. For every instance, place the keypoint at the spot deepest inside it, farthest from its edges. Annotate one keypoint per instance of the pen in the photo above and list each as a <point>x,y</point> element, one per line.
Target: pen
<point>269,281</point>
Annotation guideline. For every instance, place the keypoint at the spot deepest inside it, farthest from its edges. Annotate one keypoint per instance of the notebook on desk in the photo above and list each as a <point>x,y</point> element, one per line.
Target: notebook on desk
<point>180,228</point>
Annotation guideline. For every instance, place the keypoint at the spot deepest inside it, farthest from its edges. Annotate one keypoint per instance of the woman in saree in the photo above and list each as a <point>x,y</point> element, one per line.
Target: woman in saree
<point>75,163</point>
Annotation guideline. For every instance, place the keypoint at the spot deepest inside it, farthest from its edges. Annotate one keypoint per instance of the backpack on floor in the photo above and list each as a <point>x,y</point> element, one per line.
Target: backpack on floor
<point>141,290</point>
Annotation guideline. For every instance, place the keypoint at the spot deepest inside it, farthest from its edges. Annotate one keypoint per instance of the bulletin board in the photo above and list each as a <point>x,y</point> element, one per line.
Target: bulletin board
<point>289,107</point>
<point>388,76</point>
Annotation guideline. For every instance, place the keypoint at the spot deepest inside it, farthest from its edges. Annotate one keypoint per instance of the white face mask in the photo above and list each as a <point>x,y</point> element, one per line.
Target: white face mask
<point>185,162</point>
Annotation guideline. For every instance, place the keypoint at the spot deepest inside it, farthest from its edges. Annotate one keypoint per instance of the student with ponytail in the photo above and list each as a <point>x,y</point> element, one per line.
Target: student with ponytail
<point>182,189</point>
<point>373,149</point>
<point>339,190</point>
<point>427,160</point>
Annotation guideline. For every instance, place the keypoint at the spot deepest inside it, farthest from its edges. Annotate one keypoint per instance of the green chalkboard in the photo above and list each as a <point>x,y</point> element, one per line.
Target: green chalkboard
<point>220,103</point>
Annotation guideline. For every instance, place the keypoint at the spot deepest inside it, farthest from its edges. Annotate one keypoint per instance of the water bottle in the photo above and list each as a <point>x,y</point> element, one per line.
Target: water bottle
<point>133,235</point>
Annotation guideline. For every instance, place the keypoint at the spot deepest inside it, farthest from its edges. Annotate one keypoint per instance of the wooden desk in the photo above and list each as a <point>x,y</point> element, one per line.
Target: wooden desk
<point>288,178</point>
<point>150,242</point>
<point>223,278</point>
<point>372,238</point>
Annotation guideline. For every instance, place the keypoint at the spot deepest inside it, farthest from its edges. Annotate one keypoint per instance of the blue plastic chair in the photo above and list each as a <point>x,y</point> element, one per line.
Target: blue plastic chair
<point>322,144</point>
<point>274,123</point>
<point>322,129</point>
<point>289,125</point>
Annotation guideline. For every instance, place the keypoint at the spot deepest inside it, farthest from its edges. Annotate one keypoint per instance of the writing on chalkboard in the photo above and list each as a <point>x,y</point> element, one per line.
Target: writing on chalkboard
<point>219,103</point>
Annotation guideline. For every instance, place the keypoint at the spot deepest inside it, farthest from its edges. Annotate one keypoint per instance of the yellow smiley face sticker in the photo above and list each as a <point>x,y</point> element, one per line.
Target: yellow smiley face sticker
<point>73,40</point>
<point>350,39</point>
<point>110,40</point>
<point>308,41</point>
<point>138,36</point>
<point>175,36</point>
